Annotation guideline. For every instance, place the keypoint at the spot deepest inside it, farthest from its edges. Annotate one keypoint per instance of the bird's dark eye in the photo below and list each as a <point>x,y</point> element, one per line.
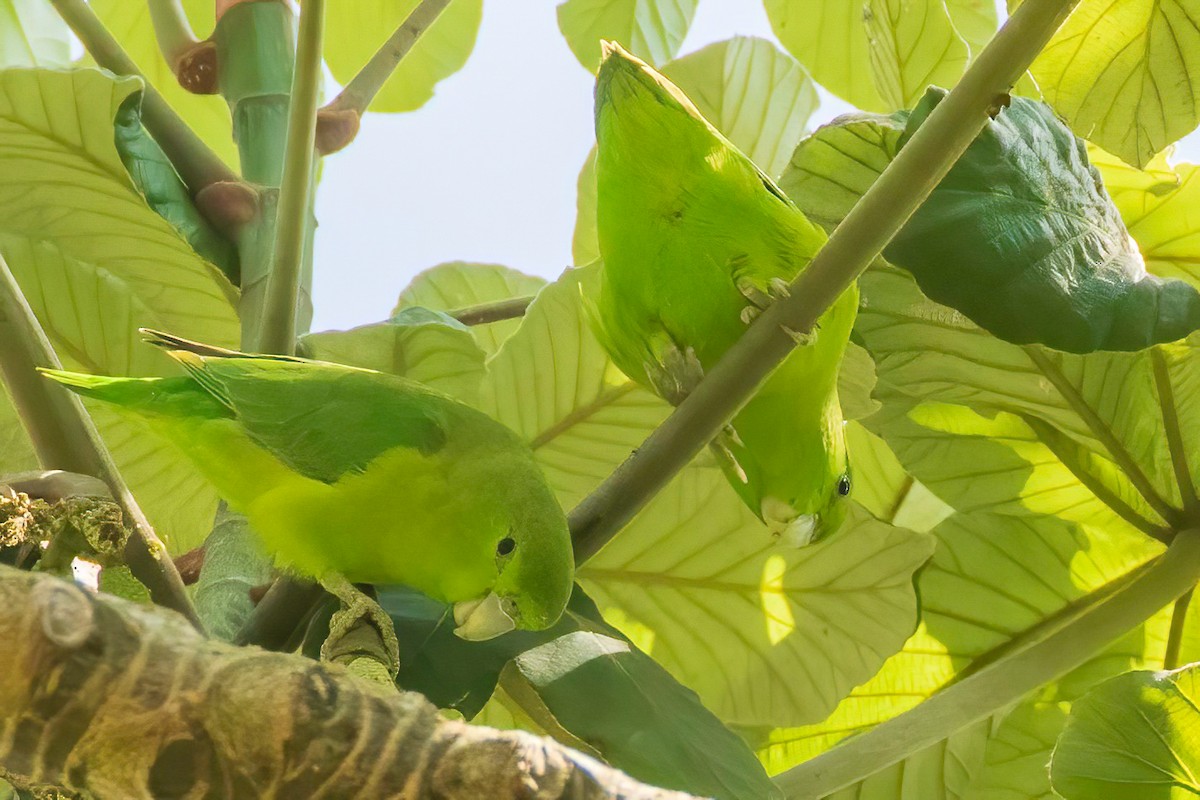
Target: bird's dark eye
<point>844,485</point>
<point>506,546</point>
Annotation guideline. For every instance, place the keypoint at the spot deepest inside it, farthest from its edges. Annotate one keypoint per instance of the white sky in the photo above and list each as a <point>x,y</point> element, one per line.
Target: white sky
<point>486,170</point>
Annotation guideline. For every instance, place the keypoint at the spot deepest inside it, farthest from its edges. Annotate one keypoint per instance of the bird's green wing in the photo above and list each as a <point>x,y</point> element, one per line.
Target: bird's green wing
<point>324,420</point>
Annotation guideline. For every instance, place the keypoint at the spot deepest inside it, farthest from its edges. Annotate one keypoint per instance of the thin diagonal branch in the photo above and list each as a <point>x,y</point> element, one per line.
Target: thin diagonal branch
<point>199,166</point>
<point>875,219</point>
<point>338,121</point>
<point>483,313</point>
<point>291,227</point>
<point>65,438</point>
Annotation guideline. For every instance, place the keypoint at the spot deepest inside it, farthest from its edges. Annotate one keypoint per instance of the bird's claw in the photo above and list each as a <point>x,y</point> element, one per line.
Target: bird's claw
<point>749,314</point>
<point>780,289</point>
<point>361,634</point>
<point>801,338</point>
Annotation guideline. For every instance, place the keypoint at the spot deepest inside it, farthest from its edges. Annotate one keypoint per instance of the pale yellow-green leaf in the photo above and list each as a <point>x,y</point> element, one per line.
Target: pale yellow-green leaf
<point>913,45</point>
<point>768,636</point>
<point>990,425</point>
<point>96,263</point>
<point>458,284</point>
<point>974,20</point>
<point>1161,208</point>
<point>650,29</point>
<point>354,31</point>
<point>554,385</point>
<point>1124,74</point>
<point>755,94</point>
<point>208,115</point>
<point>439,353</point>
<point>32,34</point>
<point>883,487</point>
<point>829,39</point>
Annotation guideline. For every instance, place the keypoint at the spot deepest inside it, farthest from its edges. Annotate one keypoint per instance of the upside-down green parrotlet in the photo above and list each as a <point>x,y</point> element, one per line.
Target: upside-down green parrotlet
<point>695,241</point>
<point>371,477</point>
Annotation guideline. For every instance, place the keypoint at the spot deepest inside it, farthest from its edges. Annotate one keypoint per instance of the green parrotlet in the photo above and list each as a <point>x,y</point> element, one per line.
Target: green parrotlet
<point>696,240</point>
<point>371,477</point>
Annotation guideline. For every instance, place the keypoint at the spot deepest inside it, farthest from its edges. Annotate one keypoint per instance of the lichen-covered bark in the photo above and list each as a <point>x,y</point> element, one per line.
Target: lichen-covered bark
<point>117,700</point>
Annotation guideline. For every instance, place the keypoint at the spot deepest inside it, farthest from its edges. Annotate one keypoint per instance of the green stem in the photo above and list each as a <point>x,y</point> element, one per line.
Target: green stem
<point>64,437</point>
<point>484,313</point>
<point>875,219</point>
<point>171,29</point>
<point>278,334</point>
<point>1002,683</point>
<point>1175,638</point>
<point>197,165</point>
<point>363,87</point>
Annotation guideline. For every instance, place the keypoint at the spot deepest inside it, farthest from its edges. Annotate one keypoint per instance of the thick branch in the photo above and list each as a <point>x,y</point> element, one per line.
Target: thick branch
<point>338,121</point>
<point>866,230</point>
<point>121,700</point>
<point>65,438</point>
<point>283,285</point>
<point>197,165</point>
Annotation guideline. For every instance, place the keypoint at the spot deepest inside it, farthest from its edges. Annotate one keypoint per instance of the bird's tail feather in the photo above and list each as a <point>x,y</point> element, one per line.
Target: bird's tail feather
<point>146,397</point>
<point>173,343</point>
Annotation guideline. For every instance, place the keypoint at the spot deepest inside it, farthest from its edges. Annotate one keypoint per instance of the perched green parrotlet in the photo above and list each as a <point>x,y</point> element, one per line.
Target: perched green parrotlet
<point>695,241</point>
<point>365,476</point>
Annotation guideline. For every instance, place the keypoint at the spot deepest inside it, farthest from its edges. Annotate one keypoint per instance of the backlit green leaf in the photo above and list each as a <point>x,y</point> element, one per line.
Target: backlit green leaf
<point>32,34</point>
<point>828,37</point>
<point>914,45</point>
<point>554,384</point>
<point>756,95</point>
<point>1125,73</point>
<point>427,346</point>
<point>1135,737</point>
<point>651,29</point>
<point>458,284</point>
<point>354,31</point>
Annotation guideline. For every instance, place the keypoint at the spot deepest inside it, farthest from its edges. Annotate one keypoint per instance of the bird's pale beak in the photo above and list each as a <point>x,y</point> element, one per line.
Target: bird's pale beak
<point>792,529</point>
<point>482,618</point>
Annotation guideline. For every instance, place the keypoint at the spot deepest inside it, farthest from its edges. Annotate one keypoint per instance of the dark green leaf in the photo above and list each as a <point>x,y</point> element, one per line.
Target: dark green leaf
<point>156,179</point>
<point>597,685</point>
<point>1022,238</point>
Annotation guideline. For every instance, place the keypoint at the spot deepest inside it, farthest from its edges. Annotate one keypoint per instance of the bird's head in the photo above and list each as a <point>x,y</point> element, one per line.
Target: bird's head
<point>800,490</point>
<point>534,566</point>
